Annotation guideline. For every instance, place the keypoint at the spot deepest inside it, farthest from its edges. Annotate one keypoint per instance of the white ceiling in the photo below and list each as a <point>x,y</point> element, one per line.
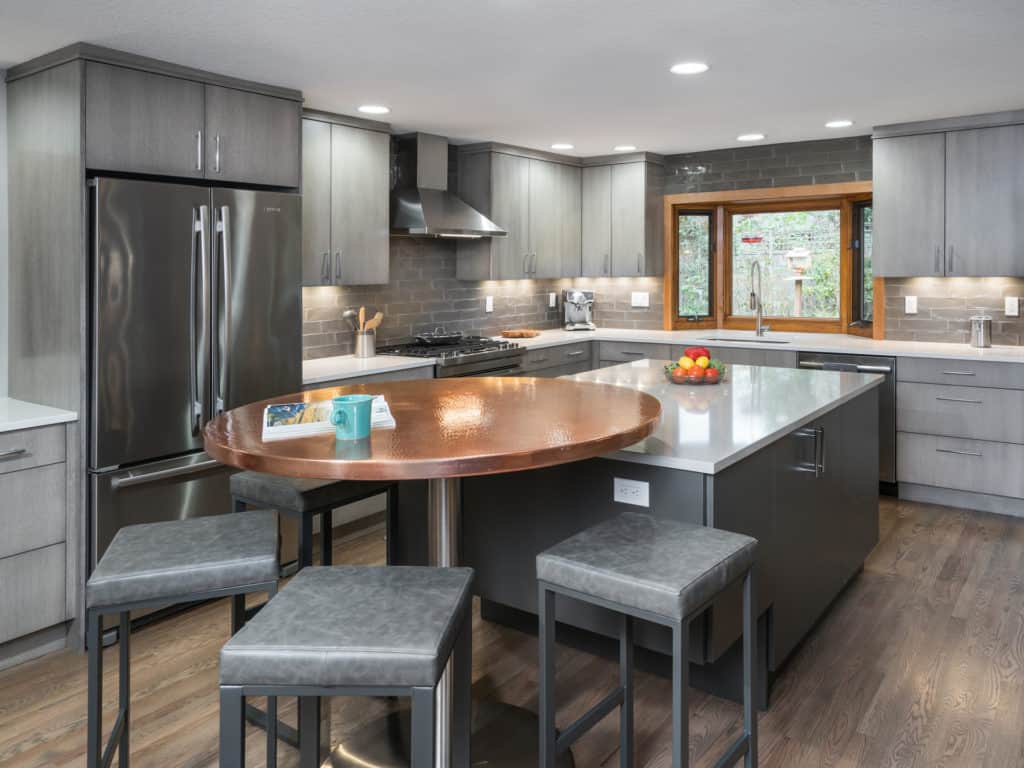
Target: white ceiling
<point>590,72</point>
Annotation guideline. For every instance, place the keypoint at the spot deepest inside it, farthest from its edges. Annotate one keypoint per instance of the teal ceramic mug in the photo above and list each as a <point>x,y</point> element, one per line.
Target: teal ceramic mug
<point>350,415</point>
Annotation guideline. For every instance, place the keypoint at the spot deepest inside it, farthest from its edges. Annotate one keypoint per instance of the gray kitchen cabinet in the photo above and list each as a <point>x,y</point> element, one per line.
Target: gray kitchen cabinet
<point>33,596</point>
<point>974,466</point>
<point>406,374</point>
<point>628,246</point>
<point>984,190</point>
<point>544,259</point>
<point>360,205</point>
<point>774,358</point>
<point>252,138</point>
<point>537,361</point>
<point>597,221</point>
<point>909,199</point>
<point>510,195</point>
<point>566,261</point>
<point>345,203</point>
<point>983,413</point>
<point>142,122</point>
<point>615,352</point>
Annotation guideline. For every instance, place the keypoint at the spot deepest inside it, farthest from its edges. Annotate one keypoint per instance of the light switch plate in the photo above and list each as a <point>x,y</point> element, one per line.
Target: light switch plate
<point>641,299</point>
<point>1011,306</point>
<point>635,492</point>
<point>552,301</point>
<point>910,305</point>
<point>488,304</point>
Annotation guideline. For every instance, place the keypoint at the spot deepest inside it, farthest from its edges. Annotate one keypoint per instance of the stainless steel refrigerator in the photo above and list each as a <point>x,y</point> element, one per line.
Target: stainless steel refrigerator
<point>195,308</point>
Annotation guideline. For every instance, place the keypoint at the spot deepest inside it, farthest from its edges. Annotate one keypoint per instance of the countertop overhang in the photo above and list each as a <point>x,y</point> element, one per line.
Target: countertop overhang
<point>19,414</point>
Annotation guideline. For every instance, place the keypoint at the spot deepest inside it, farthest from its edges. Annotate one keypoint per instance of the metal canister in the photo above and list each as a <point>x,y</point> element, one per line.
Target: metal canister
<point>981,331</point>
<point>366,344</point>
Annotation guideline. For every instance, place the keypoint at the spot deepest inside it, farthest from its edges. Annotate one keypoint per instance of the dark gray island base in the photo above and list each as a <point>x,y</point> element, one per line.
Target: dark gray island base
<point>809,495</point>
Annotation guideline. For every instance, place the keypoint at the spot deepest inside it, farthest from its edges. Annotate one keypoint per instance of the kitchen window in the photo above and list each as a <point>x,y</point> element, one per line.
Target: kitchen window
<point>862,304</point>
<point>695,245</point>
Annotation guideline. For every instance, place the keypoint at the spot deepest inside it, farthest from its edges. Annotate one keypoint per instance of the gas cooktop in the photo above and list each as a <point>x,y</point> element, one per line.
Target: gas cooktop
<point>467,356</point>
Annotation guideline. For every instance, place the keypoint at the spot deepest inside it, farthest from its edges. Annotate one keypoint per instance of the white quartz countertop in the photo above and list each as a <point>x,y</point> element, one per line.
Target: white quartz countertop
<point>18,414</point>
<point>710,427</point>
<point>348,366</point>
<point>796,342</point>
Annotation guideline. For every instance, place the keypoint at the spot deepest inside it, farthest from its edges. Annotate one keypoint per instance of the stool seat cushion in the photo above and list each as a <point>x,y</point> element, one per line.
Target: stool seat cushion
<point>180,558</point>
<point>352,626</point>
<point>295,494</point>
<point>648,563</point>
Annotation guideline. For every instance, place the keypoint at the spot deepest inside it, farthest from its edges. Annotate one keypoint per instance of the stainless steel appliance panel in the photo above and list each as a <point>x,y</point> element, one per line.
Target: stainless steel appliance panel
<point>173,489</point>
<point>257,274</point>
<point>886,399</point>
<point>149,311</point>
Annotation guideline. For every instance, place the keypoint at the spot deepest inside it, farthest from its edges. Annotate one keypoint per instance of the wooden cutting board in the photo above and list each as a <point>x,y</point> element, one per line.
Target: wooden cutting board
<point>520,333</point>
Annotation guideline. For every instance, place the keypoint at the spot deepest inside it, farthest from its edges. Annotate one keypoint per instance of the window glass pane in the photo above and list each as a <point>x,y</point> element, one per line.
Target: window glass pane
<point>694,264</point>
<point>799,256</point>
<point>867,299</point>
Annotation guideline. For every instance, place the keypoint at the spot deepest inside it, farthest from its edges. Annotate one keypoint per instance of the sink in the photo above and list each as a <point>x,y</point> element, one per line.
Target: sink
<point>735,340</point>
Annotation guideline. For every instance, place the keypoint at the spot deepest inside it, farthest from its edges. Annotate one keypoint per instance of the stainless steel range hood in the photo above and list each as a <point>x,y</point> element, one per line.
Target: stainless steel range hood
<point>421,205</point>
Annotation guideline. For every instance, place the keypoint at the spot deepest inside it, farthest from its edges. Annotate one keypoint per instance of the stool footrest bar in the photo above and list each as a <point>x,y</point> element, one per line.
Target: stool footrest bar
<point>115,740</point>
<point>596,713</point>
<point>738,749</point>
<point>285,732</point>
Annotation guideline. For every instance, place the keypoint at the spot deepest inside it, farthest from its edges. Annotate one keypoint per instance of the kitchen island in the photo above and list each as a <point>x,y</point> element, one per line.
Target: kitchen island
<point>788,456</point>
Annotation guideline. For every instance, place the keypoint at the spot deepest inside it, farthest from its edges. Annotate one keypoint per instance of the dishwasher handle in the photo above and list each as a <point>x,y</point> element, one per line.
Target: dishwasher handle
<point>817,365</point>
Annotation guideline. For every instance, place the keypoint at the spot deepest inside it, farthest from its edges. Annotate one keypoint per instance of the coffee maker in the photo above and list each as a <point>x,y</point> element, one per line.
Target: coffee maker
<point>579,310</point>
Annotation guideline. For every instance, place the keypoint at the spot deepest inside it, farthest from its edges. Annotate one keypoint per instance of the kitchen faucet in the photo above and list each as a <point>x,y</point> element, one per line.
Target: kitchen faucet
<point>755,300</point>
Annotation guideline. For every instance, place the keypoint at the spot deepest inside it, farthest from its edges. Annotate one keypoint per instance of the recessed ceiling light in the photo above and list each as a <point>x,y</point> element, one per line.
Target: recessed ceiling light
<point>625,148</point>
<point>689,68</point>
<point>374,109</point>
<point>561,145</point>
<point>750,137</point>
<point>839,123</point>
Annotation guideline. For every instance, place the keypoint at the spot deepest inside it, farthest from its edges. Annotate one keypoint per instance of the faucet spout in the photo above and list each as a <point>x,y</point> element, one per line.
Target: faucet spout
<point>755,299</point>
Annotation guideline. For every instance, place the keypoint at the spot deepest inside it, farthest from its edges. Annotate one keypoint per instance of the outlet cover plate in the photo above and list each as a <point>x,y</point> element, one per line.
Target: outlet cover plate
<point>640,299</point>
<point>635,492</point>
<point>552,300</point>
<point>910,305</point>
<point>1011,306</point>
<point>488,304</point>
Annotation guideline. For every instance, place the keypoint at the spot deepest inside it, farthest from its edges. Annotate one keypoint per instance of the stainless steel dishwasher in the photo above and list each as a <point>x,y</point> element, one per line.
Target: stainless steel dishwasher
<point>886,401</point>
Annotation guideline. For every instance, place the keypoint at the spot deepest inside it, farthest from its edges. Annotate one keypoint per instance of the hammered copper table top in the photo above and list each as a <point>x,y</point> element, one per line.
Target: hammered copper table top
<point>454,427</point>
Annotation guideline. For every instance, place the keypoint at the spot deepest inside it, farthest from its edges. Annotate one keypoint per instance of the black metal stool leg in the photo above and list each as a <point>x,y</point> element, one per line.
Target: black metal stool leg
<point>305,540</point>
<point>94,706</point>
<point>680,695</point>
<point>462,693</point>
<point>423,714</point>
<point>749,668</point>
<point>546,693</point>
<point>326,537</point>
<point>626,681</point>
<point>391,524</point>
<point>124,686</point>
<point>232,728</point>
<point>309,731</point>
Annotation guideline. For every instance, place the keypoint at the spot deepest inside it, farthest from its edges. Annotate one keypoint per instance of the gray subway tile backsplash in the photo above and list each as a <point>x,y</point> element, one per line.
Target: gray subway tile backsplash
<point>945,305</point>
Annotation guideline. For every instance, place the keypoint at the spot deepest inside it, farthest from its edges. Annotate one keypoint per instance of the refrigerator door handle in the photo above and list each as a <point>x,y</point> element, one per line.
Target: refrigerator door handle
<point>195,403</point>
<point>223,362</point>
<point>162,474</point>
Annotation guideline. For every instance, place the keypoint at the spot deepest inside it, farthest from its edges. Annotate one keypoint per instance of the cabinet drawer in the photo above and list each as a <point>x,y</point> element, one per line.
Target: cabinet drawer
<point>32,513</point>
<point>406,374</point>
<point>548,357</point>
<point>624,351</point>
<point>966,373</point>
<point>981,413</point>
<point>28,448</point>
<point>978,466</point>
<point>33,593</point>
<point>566,369</point>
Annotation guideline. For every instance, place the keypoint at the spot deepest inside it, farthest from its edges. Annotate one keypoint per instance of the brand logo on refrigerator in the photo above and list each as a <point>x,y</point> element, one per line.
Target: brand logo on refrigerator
<point>272,210</point>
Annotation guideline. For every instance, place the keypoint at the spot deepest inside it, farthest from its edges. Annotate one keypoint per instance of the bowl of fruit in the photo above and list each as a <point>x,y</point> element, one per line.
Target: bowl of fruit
<point>696,366</point>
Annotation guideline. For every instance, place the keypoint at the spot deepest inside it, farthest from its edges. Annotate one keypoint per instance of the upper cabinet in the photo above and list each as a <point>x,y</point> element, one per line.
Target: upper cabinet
<point>947,197</point>
<point>622,232</point>
<point>535,198</point>
<point>176,124</point>
<point>345,202</point>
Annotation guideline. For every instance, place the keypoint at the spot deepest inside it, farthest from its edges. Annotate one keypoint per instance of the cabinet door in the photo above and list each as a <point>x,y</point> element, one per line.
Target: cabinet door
<point>510,208</point>
<point>628,211</point>
<point>909,175</point>
<point>360,200</point>
<point>597,221</point>
<point>545,260</point>
<point>316,203</point>
<point>569,210</point>
<point>984,192</point>
<point>252,138</point>
<point>138,122</point>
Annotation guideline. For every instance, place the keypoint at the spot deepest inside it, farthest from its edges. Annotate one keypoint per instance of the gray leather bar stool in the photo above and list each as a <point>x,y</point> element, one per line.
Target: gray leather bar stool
<point>305,500</point>
<point>159,564</point>
<point>658,570</point>
<point>355,631</point>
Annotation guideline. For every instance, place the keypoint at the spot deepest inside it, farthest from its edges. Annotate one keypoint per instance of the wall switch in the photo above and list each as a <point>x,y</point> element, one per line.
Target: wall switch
<point>488,304</point>
<point>635,492</point>
<point>552,300</point>
<point>1011,306</point>
<point>910,305</point>
<point>640,299</point>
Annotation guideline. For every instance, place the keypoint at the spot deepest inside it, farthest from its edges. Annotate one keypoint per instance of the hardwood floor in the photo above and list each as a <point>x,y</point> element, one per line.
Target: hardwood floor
<point>920,663</point>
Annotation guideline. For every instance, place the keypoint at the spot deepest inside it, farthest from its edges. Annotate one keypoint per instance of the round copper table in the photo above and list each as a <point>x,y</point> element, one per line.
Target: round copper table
<point>446,429</point>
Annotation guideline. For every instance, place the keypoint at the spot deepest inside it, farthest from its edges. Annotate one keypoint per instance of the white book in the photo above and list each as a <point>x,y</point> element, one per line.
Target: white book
<point>290,420</point>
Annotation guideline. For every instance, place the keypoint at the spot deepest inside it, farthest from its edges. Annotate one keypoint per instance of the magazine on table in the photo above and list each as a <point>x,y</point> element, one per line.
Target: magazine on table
<point>288,420</point>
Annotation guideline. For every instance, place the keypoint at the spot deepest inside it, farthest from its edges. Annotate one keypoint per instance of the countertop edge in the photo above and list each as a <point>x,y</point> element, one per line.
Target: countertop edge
<point>384,366</point>
<point>31,415</point>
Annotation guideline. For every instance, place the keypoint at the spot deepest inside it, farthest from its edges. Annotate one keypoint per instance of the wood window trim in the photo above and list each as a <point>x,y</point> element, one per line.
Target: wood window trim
<point>806,197</point>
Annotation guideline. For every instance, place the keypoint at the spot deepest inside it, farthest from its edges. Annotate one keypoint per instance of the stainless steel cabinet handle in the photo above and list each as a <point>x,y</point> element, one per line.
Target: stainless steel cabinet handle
<point>162,474</point>
<point>639,263</point>
<point>959,400</point>
<point>199,150</point>
<point>820,469</point>
<point>950,270</point>
<point>818,434</point>
<point>607,263</point>
<point>325,268</point>
<point>874,369</point>
<point>812,364</point>
<point>526,263</point>
<point>539,360</point>
<point>224,229</point>
<point>216,153</point>
<point>938,259</point>
<point>533,263</point>
<point>337,267</point>
<point>13,453</point>
<point>958,453</point>
<point>575,354</point>
<point>958,373</point>
<point>631,352</point>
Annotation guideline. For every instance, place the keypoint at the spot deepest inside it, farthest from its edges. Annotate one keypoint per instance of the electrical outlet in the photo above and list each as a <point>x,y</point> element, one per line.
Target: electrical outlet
<point>640,299</point>
<point>552,301</point>
<point>1011,306</point>
<point>635,492</point>
<point>488,304</point>
<point>910,305</point>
